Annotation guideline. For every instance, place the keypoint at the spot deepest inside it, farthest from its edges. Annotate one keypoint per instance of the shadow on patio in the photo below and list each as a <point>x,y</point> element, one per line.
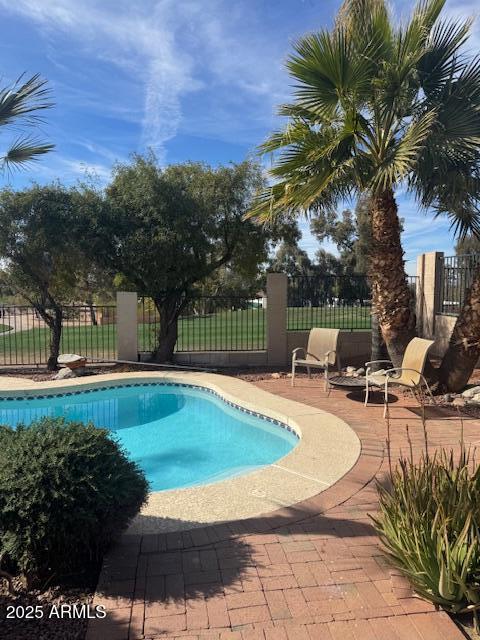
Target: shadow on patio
<point>185,580</point>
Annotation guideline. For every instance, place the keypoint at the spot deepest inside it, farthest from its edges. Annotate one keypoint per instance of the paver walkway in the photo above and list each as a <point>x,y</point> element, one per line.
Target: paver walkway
<point>311,571</point>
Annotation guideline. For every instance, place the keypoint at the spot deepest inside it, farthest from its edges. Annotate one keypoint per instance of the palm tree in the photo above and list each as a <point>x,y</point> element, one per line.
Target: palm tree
<point>19,105</point>
<point>378,106</point>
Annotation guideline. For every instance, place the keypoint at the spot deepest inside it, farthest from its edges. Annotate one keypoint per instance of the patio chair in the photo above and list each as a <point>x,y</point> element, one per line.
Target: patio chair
<point>409,375</point>
<point>321,352</point>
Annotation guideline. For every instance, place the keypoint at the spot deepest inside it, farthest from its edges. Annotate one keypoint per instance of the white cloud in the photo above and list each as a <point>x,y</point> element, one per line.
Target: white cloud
<point>139,41</point>
<point>167,49</point>
<point>163,50</point>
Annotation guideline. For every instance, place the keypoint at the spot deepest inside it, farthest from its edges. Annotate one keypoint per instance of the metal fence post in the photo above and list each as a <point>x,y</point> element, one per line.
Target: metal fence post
<point>277,319</point>
<point>127,335</point>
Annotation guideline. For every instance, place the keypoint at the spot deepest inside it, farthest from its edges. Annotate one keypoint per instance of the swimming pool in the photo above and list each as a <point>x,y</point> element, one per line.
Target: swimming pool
<point>180,435</point>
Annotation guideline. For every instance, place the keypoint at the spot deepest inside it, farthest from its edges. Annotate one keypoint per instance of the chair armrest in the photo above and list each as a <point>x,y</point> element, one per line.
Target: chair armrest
<point>295,352</point>
<point>328,353</point>
<point>376,362</point>
<point>368,369</point>
<point>388,372</point>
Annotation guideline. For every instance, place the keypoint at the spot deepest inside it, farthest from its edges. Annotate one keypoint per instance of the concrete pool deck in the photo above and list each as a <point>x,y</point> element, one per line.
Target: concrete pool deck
<point>328,448</point>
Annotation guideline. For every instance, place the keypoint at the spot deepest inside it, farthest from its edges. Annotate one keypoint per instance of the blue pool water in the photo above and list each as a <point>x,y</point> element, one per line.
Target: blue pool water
<point>180,436</point>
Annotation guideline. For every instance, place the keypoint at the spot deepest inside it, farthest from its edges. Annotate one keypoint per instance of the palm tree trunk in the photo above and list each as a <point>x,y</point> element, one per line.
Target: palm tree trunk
<point>379,349</point>
<point>391,295</point>
<point>464,348</point>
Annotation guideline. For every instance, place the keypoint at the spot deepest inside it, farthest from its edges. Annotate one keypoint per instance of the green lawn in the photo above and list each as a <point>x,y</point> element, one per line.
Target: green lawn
<point>29,347</point>
<point>5,327</point>
<point>223,331</point>
<point>351,318</point>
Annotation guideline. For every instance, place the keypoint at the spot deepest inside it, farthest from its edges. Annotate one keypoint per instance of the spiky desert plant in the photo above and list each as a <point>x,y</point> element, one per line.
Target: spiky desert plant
<point>429,523</point>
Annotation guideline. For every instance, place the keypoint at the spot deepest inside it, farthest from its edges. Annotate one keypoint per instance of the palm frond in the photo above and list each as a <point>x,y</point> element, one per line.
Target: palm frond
<point>304,191</point>
<point>465,220</point>
<point>315,148</point>
<point>24,150</point>
<point>330,73</point>
<point>24,99</point>
<point>314,68</point>
<point>426,13</point>
<point>458,200</point>
<point>457,103</point>
<point>376,105</point>
<point>294,133</point>
<point>442,59</point>
<point>403,154</point>
<point>367,23</point>
<point>398,85</point>
<point>297,112</point>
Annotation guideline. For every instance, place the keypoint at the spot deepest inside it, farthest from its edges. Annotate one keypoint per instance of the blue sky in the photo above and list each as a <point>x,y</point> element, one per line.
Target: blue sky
<point>194,79</point>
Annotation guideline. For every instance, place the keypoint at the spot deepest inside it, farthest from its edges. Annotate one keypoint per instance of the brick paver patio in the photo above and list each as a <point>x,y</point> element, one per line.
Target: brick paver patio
<point>311,571</point>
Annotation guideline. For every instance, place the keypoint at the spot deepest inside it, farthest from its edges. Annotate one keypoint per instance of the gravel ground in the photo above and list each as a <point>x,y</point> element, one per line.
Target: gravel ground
<point>46,606</point>
<point>464,622</point>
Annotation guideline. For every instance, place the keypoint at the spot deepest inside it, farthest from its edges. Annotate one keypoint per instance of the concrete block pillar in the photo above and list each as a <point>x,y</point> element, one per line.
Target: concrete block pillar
<point>127,336</point>
<point>277,319</point>
<point>429,286</point>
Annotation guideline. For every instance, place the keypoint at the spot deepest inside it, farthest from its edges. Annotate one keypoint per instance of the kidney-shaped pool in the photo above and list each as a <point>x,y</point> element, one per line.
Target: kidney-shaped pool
<point>179,434</point>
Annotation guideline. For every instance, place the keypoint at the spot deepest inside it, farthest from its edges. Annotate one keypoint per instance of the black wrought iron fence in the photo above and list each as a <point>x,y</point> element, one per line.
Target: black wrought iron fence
<point>457,275</point>
<point>87,330</point>
<point>339,302</point>
<point>209,323</point>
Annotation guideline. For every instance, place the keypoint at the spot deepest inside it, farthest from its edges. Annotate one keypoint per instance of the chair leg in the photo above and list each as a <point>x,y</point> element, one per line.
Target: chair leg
<point>293,372</point>
<point>430,392</point>
<point>367,391</point>
<point>309,373</point>
<point>385,399</point>
<point>326,378</point>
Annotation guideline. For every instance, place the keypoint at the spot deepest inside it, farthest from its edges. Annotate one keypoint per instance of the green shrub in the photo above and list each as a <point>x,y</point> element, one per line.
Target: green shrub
<point>429,523</point>
<point>66,491</point>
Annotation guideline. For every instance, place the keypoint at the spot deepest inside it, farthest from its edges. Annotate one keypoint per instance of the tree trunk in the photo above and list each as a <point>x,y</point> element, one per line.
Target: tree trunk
<point>391,295</point>
<point>464,347</point>
<point>379,348</point>
<point>55,327</point>
<point>93,315</point>
<point>169,311</point>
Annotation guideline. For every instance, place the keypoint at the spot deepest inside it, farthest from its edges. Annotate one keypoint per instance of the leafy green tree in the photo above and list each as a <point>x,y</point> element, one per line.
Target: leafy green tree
<point>39,253</point>
<point>378,106</point>
<point>289,258</point>
<point>169,230</point>
<point>341,229</point>
<point>352,234</point>
<point>20,104</point>
<point>231,282</point>
<point>94,286</point>
<point>363,241</point>
<point>468,245</point>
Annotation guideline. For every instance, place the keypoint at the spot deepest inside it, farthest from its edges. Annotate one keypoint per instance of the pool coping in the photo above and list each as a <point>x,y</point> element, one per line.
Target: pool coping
<point>305,473</point>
